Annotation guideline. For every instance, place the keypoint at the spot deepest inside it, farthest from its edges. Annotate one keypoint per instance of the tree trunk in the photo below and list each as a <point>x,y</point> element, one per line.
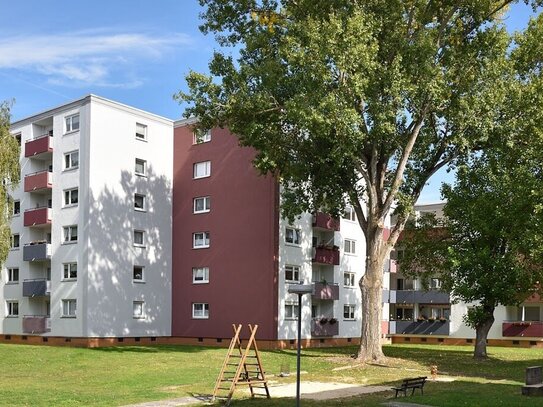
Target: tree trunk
<point>371,286</point>
<point>481,333</point>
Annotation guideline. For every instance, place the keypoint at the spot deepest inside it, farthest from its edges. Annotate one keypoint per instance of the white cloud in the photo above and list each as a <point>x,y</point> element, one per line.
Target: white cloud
<point>88,57</point>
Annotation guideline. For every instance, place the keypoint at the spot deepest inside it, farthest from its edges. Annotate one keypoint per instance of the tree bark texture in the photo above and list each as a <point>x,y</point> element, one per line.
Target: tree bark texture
<point>481,334</point>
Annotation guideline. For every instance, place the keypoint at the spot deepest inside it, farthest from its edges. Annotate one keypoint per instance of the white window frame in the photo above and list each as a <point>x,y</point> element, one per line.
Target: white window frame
<point>206,204</point>
<point>15,243</point>
<point>349,279</point>
<point>12,308</point>
<point>16,211</point>
<point>144,204</point>
<point>137,232</point>
<point>69,160</point>
<point>67,270</point>
<point>205,238</point>
<point>200,137</point>
<point>141,130</point>
<point>350,310</point>
<point>200,310</point>
<point>295,270</point>
<point>291,307</point>
<point>67,234</point>
<point>10,275</point>
<point>138,309</point>
<point>69,308</point>
<point>196,167</point>
<point>296,236</point>
<point>349,246</point>
<point>69,197</point>
<point>69,123</point>
<point>138,280</point>
<point>141,162</point>
<point>349,214</point>
<point>200,275</point>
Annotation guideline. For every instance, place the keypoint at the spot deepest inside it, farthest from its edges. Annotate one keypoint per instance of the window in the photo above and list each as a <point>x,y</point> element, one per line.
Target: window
<point>16,208</point>
<point>200,275</point>
<point>139,238</point>
<point>12,308</point>
<point>349,246</point>
<point>139,202</point>
<point>348,279</point>
<point>528,313</point>
<point>201,136</point>
<point>71,160</point>
<point>72,123</point>
<point>18,138</point>
<point>435,283</point>
<point>293,236</point>
<point>70,234</point>
<point>292,273</point>
<point>13,275</point>
<point>14,241</point>
<point>200,310</point>
<point>141,167</point>
<point>141,131</point>
<point>201,204</point>
<point>68,308</point>
<point>291,310</point>
<point>349,214</point>
<point>348,312</point>
<point>137,273</point>
<point>200,240</point>
<point>402,313</point>
<point>71,197</point>
<point>69,271</point>
<point>138,309</point>
<point>201,170</point>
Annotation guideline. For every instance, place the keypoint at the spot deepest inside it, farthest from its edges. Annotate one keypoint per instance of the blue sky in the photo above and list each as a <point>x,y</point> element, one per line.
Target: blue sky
<point>133,51</point>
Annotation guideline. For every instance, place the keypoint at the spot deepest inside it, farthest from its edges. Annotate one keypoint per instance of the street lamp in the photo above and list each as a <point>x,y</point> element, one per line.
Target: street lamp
<point>299,289</point>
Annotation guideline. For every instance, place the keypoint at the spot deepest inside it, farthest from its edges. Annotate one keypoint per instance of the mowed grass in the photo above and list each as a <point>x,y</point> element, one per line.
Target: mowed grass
<point>58,376</point>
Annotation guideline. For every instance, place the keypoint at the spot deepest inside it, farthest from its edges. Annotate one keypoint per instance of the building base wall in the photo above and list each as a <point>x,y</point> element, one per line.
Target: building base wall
<point>515,343</point>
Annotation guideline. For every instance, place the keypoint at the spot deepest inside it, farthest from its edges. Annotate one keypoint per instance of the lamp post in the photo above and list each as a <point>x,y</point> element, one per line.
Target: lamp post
<point>299,289</point>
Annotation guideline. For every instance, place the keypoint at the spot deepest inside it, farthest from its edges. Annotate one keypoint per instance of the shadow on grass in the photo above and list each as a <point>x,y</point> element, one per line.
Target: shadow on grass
<point>155,349</point>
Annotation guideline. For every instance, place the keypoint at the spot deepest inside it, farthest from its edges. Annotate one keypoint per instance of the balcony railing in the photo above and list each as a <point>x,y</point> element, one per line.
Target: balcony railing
<point>531,329</point>
<point>325,291</point>
<point>36,324</point>
<point>418,297</point>
<point>325,255</point>
<point>38,287</point>
<point>325,221</point>
<point>324,327</point>
<point>37,216</point>
<point>425,327</point>
<point>39,181</point>
<point>39,147</point>
<point>37,251</point>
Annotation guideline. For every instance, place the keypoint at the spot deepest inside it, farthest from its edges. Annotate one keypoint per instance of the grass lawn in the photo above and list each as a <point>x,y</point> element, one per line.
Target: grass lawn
<point>51,376</point>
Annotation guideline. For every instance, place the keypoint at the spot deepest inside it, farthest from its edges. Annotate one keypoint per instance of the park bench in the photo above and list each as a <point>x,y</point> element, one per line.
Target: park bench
<point>414,383</point>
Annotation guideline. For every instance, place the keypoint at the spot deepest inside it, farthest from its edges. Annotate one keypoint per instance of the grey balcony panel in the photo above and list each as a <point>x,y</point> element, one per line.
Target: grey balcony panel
<point>386,296</point>
<point>419,297</point>
<point>420,327</point>
<point>37,252</point>
<point>35,288</point>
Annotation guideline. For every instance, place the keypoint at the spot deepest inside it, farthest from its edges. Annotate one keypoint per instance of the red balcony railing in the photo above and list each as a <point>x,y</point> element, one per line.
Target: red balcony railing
<point>326,256</point>
<point>325,221</point>
<point>39,145</point>
<point>532,329</point>
<point>39,181</point>
<point>37,217</point>
<point>35,324</point>
<point>324,327</point>
<point>325,291</point>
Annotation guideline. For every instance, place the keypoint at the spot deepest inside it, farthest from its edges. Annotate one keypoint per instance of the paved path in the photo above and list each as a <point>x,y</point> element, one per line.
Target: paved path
<point>183,401</point>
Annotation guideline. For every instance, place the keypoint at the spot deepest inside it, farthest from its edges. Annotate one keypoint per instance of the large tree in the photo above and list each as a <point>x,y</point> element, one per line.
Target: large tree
<point>357,101</point>
<point>9,175</point>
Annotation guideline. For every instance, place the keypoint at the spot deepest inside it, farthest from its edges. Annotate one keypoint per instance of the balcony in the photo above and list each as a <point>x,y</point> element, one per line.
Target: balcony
<point>325,255</point>
<point>323,327</point>
<point>418,297</point>
<point>38,287</point>
<point>325,221</point>
<point>41,147</point>
<point>419,327</point>
<point>41,181</point>
<point>531,329</point>
<point>36,324</point>
<point>37,251</point>
<point>37,216</point>
<point>325,291</point>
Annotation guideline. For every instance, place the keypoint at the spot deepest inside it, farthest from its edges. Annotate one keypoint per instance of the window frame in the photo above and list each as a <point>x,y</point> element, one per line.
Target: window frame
<point>296,236</point>
<point>12,308</point>
<point>141,314</point>
<point>349,214</point>
<point>10,273</point>
<point>68,195</point>
<point>205,275</point>
<point>69,161</point>
<point>138,231</point>
<point>205,238</point>
<point>144,204</point>
<point>352,247</point>
<point>142,162</point>
<point>16,210</point>
<point>70,119</point>
<point>293,306</point>
<point>352,279</point>
<point>295,270</point>
<point>15,238</point>
<point>349,309</point>
<point>67,271</point>
<point>203,137</point>
<point>138,280</point>
<point>144,127</point>
<point>69,229</point>
<point>66,305</point>
<point>207,204</point>
<point>207,172</point>
<point>204,310</point>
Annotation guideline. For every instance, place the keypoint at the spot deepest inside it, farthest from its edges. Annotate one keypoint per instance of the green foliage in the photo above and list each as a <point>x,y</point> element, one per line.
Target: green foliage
<point>9,175</point>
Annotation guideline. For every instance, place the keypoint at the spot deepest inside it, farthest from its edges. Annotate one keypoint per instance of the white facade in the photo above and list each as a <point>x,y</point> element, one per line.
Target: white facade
<point>91,289</point>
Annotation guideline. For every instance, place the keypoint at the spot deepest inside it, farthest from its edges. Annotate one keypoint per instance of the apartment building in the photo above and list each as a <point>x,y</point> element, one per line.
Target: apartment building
<point>91,228</point>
